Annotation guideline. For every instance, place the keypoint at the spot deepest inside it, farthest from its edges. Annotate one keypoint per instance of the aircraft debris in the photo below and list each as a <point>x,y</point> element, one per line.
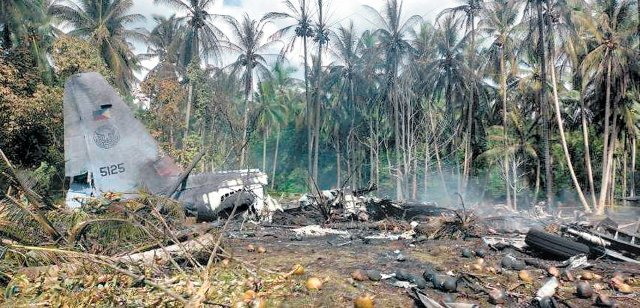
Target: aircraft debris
<point>108,150</point>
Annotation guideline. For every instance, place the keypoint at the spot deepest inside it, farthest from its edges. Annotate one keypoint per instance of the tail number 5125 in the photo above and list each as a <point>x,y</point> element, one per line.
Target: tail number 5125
<point>112,169</point>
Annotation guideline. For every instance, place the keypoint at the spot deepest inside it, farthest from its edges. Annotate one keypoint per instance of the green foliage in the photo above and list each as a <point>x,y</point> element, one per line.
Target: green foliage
<point>107,25</point>
<point>74,55</point>
<point>44,175</point>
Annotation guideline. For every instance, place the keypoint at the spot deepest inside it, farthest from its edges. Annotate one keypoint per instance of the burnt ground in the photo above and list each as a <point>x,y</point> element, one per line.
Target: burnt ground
<point>263,276</point>
<point>333,258</point>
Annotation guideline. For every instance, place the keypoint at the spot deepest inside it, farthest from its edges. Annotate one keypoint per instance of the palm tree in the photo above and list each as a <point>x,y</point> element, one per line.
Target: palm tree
<point>271,112</point>
<point>345,48</point>
<point>164,43</point>
<point>201,35</point>
<point>301,27</point>
<point>468,12</point>
<point>321,38</point>
<point>12,16</point>
<point>447,72</point>
<point>106,23</point>
<point>520,147</point>
<point>28,23</point>
<point>248,43</point>
<point>499,23</point>
<point>608,26</point>
<point>533,20</point>
<point>393,40</point>
<point>201,38</point>
<point>553,19</point>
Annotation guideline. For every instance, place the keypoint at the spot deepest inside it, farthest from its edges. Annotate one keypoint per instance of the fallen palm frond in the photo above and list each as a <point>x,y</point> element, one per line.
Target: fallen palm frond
<point>101,260</point>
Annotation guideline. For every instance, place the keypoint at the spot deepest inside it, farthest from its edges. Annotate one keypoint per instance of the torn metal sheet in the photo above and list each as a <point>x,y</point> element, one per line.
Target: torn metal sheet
<point>515,241</point>
<point>316,230</point>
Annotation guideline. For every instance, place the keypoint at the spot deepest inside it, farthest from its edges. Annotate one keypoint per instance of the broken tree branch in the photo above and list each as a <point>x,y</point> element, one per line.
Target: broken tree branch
<point>38,217</point>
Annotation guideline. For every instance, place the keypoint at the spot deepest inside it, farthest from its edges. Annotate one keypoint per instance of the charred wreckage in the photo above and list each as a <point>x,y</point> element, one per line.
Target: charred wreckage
<point>108,150</point>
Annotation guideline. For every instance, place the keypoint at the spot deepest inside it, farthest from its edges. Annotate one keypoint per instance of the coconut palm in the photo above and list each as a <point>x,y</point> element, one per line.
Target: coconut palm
<point>200,38</point>
<point>163,44</point>
<point>106,23</point>
<point>300,27</point>
<point>533,20</point>
<point>393,35</point>
<point>608,26</point>
<point>451,79</point>
<point>448,72</point>
<point>468,12</point>
<point>28,23</point>
<point>499,24</point>
<point>272,112</point>
<point>201,34</point>
<point>12,16</point>
<point>251,45</point>
<point>345,47</point>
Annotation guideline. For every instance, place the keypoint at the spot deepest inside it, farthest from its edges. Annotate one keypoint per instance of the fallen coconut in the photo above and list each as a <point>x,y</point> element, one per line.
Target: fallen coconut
<point>583,289</point>
<point>297,269</point>
<point>364,301</point>
<point>420,282</point>
<point>553,271</point>
<point>497,296</point>
<point>249,295</point>
<point>314,283</point>
<point>525,276</point>
<point>476,267</point>
<point>402,275</point>
<point>481,253</point>
<point>359,275</point>
<point>450,284</point>
<point>467,253</point>
<point>624,288</point>
<point>374,275</point>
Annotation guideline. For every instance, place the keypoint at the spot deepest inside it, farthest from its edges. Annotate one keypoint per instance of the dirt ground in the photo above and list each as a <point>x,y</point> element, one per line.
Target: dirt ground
<point>255,270</point>
<point>334,258</point>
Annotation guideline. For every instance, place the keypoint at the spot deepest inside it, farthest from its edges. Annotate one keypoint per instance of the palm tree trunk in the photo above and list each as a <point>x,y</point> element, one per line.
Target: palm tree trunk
<point>612,169</point>
<point>427,158</point>
<point>614,176</point>
<point>587,153</point>
<point>264,149</point>
<point>468,151</point>
<point>537,188</point>
<point>338,166</point>
<point>563,139</point>
<point>515,183</point>
<point>633,165</point>
<point>308,109</point>
<point>352,141</point>
<point>503,94</point>
<point>438,161</point>
<point>607,113</point>
<point>275,159</point>
<point>624,171</point>
<point>188,113</point>
<point>544,107</point>
<point>248,98</point>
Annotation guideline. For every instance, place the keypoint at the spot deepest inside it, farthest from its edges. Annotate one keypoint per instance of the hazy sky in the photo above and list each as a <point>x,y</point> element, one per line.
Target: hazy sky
<point>339,12</point>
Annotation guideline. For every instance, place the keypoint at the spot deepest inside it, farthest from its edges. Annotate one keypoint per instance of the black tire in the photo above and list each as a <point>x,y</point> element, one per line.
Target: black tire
<point>554,245</point>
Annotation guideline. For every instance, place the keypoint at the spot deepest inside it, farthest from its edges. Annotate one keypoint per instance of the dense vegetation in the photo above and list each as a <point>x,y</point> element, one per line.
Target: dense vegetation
<point>511,100</point>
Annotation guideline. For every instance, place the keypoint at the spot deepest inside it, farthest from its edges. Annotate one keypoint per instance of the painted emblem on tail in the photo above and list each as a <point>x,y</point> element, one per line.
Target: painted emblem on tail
<point>106,136</point>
